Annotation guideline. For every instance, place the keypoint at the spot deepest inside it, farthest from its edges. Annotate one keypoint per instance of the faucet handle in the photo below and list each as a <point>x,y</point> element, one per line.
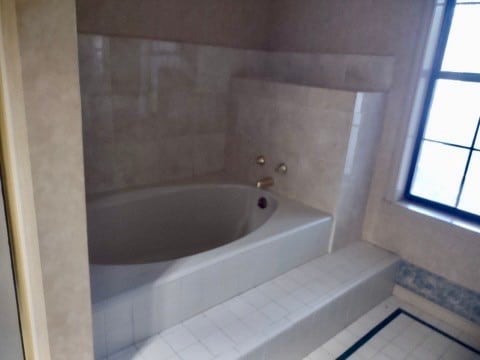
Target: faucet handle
<point>281,168</point>
<point>260,160</point>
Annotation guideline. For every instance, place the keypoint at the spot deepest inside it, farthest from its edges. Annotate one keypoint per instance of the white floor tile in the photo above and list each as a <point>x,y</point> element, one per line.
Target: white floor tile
<point>321,354</point>
<point>218,344</point>
<point>255,298</point>
<point>403,338</point>
<point>155,348</point>
<point>179,338</point>
<point>220,315</point>
<point>239,307</point>
<point>200,326</point>
<point>127,354</point>
<point>195,352</point>
<point>334,347</point>
<point>274,311</point>
<point>238,332</point>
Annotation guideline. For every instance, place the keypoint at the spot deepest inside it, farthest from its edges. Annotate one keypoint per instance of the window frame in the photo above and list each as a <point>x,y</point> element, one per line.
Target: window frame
<point>437,74</point>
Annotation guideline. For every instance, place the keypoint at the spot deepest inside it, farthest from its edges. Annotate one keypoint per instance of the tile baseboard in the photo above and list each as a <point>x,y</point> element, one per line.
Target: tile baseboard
<point>458,322</point>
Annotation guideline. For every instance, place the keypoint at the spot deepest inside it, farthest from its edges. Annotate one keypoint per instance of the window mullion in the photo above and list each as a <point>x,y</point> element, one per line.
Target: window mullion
<point>467,166</point>
<point>455,75</point>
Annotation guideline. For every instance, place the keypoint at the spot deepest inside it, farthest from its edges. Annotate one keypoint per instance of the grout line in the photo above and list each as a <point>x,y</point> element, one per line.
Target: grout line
<point>458,341</point>
<point>367,337</point>
<point>364,339</point>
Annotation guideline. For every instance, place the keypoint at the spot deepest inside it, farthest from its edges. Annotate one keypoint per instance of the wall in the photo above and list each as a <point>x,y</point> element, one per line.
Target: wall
<point>305,127</point>
<point>155,111</point>
<point>439,246</point>
<point>326,137</point>
<point>337,71</point>
<point>229,23</point>
<point>357,176</point>
<point>396,28</point>
<point>372,27</point>
<point>47,37</point>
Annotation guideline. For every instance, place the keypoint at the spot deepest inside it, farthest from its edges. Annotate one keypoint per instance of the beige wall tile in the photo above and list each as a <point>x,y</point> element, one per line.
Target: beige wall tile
<point>305,127</point>
<point>129,62</point>
<point>208,153</point>
<point>177,158</point>
<point>157,101</point>
<point>94,64</point>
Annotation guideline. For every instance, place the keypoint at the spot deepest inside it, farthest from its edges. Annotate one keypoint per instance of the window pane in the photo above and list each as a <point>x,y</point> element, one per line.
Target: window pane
<point>463,48</point>
<point>470,199</point>
<point>439,172</point>
<point>454,112</point>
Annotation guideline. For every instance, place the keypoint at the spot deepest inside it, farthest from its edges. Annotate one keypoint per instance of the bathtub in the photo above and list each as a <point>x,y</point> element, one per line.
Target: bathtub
<point>161,255</point>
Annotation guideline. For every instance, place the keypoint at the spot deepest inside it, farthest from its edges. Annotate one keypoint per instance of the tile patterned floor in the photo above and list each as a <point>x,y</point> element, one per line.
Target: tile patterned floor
<point>403,338</point>
<point>232,328</point>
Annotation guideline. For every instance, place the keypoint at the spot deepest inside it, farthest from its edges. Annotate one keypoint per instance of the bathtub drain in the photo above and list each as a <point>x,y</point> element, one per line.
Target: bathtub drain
<point>262,203</point>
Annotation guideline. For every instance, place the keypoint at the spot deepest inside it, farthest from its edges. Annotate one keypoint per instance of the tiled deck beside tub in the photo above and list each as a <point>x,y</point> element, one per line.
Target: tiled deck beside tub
<point>285,318</point>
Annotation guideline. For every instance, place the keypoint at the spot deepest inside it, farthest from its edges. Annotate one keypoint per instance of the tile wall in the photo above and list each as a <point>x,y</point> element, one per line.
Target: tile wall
<point>326,137</point>
<point>454,297</point>
<point>154,111</point>
<point>157,111</point>
<point>359,165</point>
<point>337,71</point>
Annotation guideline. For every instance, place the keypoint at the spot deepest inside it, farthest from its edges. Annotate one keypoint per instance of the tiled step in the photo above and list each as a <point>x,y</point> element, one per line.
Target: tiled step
<point>285,318</point>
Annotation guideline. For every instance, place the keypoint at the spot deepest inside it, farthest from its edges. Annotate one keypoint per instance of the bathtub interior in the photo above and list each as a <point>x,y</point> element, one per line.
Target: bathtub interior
<point>292,233</point>
<point>162,224</point>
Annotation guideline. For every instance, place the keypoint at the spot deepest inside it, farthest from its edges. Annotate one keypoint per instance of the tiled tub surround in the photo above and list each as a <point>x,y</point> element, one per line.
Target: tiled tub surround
<point>459,300</point>
<point>336,71</point>
<point>326,137</point>
<point>156,111</point>
<point>133,302</point>
<point>285,318</point>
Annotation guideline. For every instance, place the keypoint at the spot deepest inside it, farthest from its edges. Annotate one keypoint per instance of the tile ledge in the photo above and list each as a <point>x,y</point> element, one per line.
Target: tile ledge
<point>449,219</point>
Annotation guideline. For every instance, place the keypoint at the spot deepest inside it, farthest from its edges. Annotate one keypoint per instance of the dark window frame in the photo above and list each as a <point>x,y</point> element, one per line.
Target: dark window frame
<point>437,74</point>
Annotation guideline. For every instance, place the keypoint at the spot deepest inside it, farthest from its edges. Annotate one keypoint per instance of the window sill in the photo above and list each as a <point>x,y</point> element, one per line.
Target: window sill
<point>440,216</point>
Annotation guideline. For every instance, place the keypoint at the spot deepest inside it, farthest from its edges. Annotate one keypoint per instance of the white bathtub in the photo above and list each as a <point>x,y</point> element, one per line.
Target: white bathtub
<point>162,255</point>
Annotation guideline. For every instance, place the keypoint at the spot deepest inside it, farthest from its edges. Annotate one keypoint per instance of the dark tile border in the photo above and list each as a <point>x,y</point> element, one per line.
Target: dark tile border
<point>364,339</point>
<point>458,299</point>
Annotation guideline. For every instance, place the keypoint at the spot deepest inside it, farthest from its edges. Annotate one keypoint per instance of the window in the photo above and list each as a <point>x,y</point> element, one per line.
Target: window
<point>445,169</point>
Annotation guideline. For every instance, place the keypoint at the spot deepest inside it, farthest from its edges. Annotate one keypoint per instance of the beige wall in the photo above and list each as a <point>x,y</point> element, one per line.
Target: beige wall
<point>155,111</point>
<point>305,127</point>
<point>48,48</point>
<point>439,246</point>
<point>397,28</point>
<point>341,26</point>
<point>230,23</point>
<point>326,137</point>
